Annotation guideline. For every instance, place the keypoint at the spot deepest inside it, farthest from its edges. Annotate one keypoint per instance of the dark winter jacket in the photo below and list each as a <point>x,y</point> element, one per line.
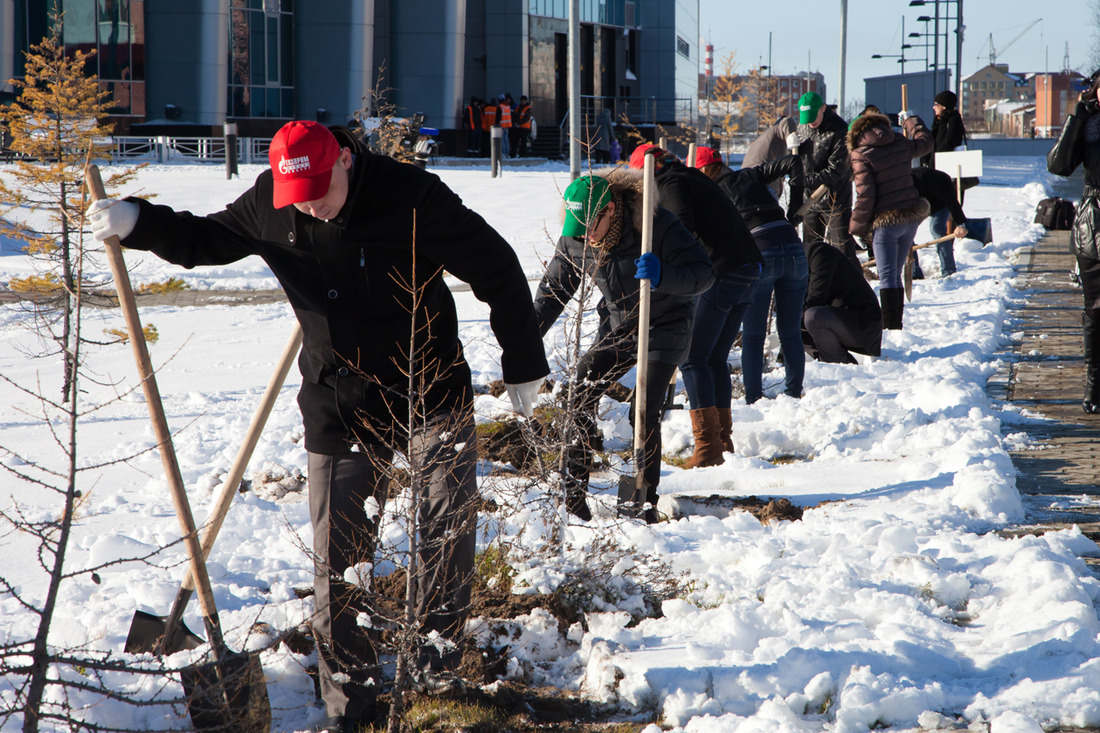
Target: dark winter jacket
<point>938,189</point>
<point>948,133</point>
<point>825,161</point>
<point>882,172</point>
<point>748,189</point>
<point>707,213</point>
<point>771,144</point>
<point>837,283</point>
<point>347,280</point>
<point>1079,144</point>
<point>686,271</point>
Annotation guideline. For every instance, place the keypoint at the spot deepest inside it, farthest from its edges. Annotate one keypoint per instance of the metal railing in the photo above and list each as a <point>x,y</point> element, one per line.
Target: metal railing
<point>163,148</point>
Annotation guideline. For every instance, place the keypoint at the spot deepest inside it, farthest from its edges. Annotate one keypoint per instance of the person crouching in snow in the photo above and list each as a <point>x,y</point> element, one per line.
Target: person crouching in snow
<point>888,208</point>
<point>842,314</point>
<point>602,239</point>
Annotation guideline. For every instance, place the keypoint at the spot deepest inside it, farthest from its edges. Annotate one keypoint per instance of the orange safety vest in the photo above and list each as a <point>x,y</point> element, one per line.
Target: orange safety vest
<point>488,117</point>
<point>505,115</point>
<point>523,116</point>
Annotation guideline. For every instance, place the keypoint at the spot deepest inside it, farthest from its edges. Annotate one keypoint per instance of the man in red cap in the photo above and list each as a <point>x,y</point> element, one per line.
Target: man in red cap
<point>359,243</point>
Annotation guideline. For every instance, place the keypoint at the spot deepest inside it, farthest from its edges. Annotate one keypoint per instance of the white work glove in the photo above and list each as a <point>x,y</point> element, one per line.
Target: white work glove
<point>524,396</point>
<point>793,141</point>
<point>904,115</point>
<point>112,217</point>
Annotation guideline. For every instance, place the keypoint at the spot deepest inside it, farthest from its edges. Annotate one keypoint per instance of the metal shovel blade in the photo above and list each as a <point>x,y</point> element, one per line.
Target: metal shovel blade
<point>147,634</point>
<point>228,694</point>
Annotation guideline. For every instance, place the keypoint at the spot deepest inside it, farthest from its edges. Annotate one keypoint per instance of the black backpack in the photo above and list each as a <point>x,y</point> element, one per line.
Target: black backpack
<point>1055,213</point>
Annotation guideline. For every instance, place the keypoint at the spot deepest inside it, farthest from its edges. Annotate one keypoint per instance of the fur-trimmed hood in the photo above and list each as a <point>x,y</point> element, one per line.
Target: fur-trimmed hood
<point>870,129</point>
<point>627,182</point>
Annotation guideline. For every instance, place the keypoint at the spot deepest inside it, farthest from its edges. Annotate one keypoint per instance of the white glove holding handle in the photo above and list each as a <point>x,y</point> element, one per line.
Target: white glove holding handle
<point>904,115</point>
<point>793,141</point>
<point>524,396</point>
<point>112,217</point>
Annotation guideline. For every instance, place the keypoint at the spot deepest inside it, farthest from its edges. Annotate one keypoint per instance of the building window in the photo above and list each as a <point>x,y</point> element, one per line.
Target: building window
<point>261,60</point>
<point>683,47</point>
<point>114,29</point>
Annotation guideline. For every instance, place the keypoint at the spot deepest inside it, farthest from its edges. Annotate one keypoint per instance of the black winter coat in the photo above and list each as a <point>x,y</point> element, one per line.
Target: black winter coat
<point>748,189</point>
<point>938,189</point>
<point>948,133</point>
<point>686,271</point>
<point>346,279</point>
<point>1079,144</point>
<point>825,161</point>
<point>836,282</point>
<point>707,213</point>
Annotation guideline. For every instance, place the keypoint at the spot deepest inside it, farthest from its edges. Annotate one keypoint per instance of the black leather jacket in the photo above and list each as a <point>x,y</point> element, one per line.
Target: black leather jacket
<point>1079,144</point>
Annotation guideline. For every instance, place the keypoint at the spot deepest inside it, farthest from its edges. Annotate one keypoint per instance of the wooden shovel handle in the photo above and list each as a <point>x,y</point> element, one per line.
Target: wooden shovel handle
<point>648,206</point>
<point>156,413</point>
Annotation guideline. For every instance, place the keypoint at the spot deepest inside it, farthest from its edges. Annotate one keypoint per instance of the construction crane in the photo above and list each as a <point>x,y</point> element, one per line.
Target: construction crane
<point>993,50</point>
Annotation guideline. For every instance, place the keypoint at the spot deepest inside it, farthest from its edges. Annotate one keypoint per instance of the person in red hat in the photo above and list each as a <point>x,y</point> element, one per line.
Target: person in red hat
<point>356,240</point>
<point>785,274</point>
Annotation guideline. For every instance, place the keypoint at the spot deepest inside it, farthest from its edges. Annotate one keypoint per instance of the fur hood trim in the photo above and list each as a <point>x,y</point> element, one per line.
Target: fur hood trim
<point>866,124</point>
<point>627,182</point>
<point>891,217</point>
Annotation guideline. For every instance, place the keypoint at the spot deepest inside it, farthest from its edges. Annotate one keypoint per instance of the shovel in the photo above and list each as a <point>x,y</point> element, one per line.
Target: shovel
<point>227,694</point>
<point>633,489</point>
<point>168,634</point>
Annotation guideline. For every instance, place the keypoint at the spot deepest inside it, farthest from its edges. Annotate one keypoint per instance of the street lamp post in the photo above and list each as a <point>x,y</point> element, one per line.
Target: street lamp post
<point>959,29</point>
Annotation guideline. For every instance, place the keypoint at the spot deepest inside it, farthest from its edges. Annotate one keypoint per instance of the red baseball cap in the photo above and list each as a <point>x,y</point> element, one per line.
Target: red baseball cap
<point>637,158</point>
<point>302,154</point>
<point>706,156</point>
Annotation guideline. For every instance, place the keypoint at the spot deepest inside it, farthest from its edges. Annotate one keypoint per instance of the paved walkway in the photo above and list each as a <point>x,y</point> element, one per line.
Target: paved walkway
<point>1059,479</point>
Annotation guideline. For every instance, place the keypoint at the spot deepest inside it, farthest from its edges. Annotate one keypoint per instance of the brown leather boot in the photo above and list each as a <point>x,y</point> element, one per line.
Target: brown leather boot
<point>725,429</point>
<point>708,443</point>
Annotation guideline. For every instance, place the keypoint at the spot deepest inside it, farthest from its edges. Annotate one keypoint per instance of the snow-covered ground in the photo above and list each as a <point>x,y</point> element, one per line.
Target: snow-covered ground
<point>892,604</point>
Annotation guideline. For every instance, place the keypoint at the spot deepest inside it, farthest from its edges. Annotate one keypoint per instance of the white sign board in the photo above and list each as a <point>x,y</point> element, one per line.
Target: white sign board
<point>970,162</point>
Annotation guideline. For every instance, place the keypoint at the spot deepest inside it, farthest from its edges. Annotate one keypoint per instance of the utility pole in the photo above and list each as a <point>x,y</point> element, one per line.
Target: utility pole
<point>574,50</point>
<point>843,49</point>
<point>959,28</point>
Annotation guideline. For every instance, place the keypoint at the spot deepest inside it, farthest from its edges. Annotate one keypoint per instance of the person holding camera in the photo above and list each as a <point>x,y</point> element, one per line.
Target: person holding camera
<point>1079,144</point>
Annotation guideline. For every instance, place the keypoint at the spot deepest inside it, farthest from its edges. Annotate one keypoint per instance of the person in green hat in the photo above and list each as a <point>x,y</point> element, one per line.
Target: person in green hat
<point>821,141</point>
<point>601,242</point>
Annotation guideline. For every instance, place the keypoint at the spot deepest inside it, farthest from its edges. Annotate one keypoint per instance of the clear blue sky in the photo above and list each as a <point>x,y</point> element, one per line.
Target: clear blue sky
<point>802,29</point>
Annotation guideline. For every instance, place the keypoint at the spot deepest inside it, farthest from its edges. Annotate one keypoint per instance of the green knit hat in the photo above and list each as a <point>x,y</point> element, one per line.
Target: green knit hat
<point>584,198</point>
<point>808,106</point>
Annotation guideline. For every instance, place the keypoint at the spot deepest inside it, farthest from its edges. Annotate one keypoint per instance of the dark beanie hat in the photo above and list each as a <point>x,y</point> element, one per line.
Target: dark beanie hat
<point>946,99</point>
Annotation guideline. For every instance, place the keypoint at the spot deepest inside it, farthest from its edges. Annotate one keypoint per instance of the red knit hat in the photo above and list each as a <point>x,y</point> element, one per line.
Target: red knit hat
<point>302,154</point>
<point>637,158</point>
<point>707,156</point>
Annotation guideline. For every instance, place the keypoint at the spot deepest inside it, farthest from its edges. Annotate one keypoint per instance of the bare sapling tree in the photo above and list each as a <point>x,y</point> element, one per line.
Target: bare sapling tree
<point>55,126</point>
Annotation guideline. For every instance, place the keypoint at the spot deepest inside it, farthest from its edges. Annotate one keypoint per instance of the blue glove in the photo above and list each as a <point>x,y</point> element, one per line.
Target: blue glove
<point>649,268</point>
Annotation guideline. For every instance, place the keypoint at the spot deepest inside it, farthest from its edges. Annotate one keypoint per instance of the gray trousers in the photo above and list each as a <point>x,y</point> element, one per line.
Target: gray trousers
<point>344,535</point>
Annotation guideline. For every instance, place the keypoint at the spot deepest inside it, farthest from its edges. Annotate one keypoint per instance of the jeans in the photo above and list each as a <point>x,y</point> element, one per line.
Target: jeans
<point>891,245</point>
<point>785,274</point>
<point>718,314</point>
<point>937,223</point>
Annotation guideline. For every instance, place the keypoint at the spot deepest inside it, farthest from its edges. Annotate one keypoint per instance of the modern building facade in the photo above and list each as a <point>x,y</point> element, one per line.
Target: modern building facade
<point>196,64</point>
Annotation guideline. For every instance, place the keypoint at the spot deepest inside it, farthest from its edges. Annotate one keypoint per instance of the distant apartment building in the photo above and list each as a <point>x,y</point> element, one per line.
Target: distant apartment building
<point>989,84</point>
<point>1055,97</point>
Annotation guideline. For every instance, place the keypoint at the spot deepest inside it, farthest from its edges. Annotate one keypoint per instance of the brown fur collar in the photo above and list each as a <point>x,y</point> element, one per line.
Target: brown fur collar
<point>864,123</point>
<point>890,217</point>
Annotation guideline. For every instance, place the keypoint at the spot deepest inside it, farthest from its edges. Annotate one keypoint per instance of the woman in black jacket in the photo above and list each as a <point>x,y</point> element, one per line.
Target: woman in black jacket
<point>707,213</point>
<point>785,270</point>
<point>601,240</point>
<point>1079,144</point>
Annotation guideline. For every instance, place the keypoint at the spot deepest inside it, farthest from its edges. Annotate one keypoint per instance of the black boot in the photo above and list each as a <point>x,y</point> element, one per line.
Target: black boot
<point>1091,402</point>
<point>893,303</point>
